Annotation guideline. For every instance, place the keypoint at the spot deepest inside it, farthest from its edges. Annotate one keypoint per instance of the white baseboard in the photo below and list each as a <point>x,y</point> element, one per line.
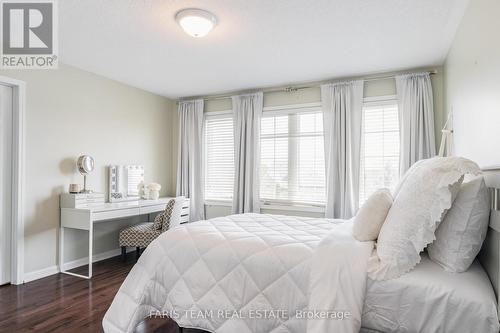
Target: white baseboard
<point>39,274</point>
<point>95,258</point>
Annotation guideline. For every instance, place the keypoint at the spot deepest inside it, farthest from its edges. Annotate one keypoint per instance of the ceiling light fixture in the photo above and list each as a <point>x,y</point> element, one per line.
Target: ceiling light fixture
<point>196,22</point>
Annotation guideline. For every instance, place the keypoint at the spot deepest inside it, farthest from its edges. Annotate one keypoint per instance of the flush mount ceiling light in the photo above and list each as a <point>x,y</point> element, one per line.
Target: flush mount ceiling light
<point>196,22</point>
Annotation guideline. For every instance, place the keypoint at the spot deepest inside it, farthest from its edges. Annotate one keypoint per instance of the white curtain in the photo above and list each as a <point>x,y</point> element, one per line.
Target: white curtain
<point>189,167</point>
<point>342,105</point>
<point>247,112</point>
<point>416,118</point>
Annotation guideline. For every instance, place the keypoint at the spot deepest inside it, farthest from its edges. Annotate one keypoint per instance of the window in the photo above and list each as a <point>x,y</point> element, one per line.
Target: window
<point>379,148</point>
<point>292,167</point>
<point>219,157</point>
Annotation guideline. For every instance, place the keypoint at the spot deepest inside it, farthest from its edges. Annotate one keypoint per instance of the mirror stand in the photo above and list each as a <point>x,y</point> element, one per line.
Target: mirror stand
<point>85,190</point>
<point>85,164</point>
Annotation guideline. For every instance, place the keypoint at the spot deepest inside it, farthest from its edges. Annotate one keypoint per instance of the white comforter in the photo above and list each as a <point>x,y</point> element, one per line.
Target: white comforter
<point>248,273</point>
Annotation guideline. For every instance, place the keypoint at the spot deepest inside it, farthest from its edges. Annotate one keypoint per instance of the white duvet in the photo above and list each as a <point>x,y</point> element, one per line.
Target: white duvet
<point>248,273</point>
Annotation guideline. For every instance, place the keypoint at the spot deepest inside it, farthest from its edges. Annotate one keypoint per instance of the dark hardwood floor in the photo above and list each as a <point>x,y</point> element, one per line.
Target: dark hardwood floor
<point>63,303</point>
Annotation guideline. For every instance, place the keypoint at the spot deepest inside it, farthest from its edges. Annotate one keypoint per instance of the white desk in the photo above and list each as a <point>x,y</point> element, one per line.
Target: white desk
<point>84,217</point>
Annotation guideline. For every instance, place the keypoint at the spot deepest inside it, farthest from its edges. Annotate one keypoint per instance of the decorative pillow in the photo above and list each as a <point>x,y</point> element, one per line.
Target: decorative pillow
<point>407,174</point>
<point>162,220</point>
<point>421,203</point>
<point>461,234</point>
<point>371,215</point>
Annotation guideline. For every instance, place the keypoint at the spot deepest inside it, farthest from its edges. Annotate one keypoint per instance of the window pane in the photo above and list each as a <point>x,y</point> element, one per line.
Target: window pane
<point>311,123</point>
<point>292,158</point>
<point>379,149</point>
<point>311,170</point>
<point>274,125</point>
<point>219,158</point>
<point>274,168</point>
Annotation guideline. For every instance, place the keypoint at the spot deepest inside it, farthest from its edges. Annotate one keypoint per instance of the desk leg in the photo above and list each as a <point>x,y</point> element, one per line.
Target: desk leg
<point>91,243</point>
<point>61,249</point>
<point>61,255</point>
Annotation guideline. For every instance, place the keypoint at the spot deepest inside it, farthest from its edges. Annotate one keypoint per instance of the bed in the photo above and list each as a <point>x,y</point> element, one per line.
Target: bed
<point>271,273</point>
<point>255,262</point>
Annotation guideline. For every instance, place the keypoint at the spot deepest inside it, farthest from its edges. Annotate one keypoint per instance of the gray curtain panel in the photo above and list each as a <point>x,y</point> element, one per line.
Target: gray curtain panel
<point>247,112</point>
<point>189,167</point>
<point>342,104</point>
<point>416,118</point>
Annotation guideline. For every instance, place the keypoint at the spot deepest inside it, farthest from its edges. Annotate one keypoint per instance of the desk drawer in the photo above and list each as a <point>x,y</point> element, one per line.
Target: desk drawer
<point>80,200</point>
<point>152,209</point>
<point>115,214</point>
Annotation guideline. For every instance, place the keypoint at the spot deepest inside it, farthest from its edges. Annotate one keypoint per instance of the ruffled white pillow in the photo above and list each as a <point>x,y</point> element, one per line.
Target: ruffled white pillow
<point>463,230</point>
<point>424,197</point>
<point>405,176</point>
<point>371,216</point>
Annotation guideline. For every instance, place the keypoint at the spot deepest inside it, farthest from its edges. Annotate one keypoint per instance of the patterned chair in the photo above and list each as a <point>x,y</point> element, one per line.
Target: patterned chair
<point>141,235</point>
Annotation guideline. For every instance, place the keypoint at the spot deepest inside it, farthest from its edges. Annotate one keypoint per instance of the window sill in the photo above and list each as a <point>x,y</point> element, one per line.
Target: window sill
<point>272,206</point>
<point>295,208</point>
<point>224,203</point>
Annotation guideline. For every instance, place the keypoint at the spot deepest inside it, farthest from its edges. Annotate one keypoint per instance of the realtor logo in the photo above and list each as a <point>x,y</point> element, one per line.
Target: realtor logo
<point>29,34</point>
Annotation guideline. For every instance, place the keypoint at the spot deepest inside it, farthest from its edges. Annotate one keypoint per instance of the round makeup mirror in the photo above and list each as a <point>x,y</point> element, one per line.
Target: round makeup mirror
<point>85,166</point>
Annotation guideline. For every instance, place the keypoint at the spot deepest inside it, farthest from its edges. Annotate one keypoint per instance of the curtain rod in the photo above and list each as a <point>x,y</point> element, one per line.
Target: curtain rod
<point>295,88</point>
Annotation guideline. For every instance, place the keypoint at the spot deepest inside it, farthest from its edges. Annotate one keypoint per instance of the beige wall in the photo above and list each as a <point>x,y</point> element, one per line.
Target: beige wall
<point>372,88</point>
<point>70,112</point>
<point>472,76</point>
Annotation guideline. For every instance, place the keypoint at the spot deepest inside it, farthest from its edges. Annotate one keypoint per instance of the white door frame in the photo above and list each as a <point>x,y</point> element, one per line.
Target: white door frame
<point>17,243</point>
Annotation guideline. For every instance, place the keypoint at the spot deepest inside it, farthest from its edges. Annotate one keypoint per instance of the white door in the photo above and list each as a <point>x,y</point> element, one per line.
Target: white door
<point>5,182</point>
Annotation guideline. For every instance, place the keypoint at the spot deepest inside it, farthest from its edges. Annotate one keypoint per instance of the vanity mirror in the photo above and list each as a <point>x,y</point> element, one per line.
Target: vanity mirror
<point>85,164</point>
<point>125,182</point>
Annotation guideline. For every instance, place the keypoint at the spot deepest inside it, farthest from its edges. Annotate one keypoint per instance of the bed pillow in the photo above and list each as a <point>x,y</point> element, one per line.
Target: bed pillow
<point>407,174</point>
<point>422,201</point>
<point>461,234</point>
<point>371,215</point>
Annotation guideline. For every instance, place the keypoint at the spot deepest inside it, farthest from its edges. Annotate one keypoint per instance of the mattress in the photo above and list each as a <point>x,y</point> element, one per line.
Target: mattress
<point>429,299</point>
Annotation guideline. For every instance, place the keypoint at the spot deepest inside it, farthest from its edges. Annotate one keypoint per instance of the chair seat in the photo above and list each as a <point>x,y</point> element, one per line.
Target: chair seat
<point>139,235</point>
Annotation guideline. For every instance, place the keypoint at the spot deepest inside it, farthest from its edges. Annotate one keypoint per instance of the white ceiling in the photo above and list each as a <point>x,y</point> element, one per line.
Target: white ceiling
<point>257,43</point>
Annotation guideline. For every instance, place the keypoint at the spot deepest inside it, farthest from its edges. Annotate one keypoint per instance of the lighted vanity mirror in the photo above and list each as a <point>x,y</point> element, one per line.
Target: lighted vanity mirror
<point>85,164</point>
<point>125,182</point>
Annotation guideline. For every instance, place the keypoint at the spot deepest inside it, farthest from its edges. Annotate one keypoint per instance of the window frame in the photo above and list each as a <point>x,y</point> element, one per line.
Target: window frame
<point>206,116</point>
<point>279,204</point>
<point>377,101</point>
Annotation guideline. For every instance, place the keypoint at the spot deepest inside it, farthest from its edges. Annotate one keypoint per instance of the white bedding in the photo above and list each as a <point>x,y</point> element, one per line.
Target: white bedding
<point>338,280</point>
<point>223,274</point>
<point>251,263</point>
<point>429,299</point>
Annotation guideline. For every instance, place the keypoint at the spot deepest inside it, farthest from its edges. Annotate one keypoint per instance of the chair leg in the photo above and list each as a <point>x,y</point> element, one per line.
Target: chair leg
<point>124,253</point>
<point>137,252</point>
